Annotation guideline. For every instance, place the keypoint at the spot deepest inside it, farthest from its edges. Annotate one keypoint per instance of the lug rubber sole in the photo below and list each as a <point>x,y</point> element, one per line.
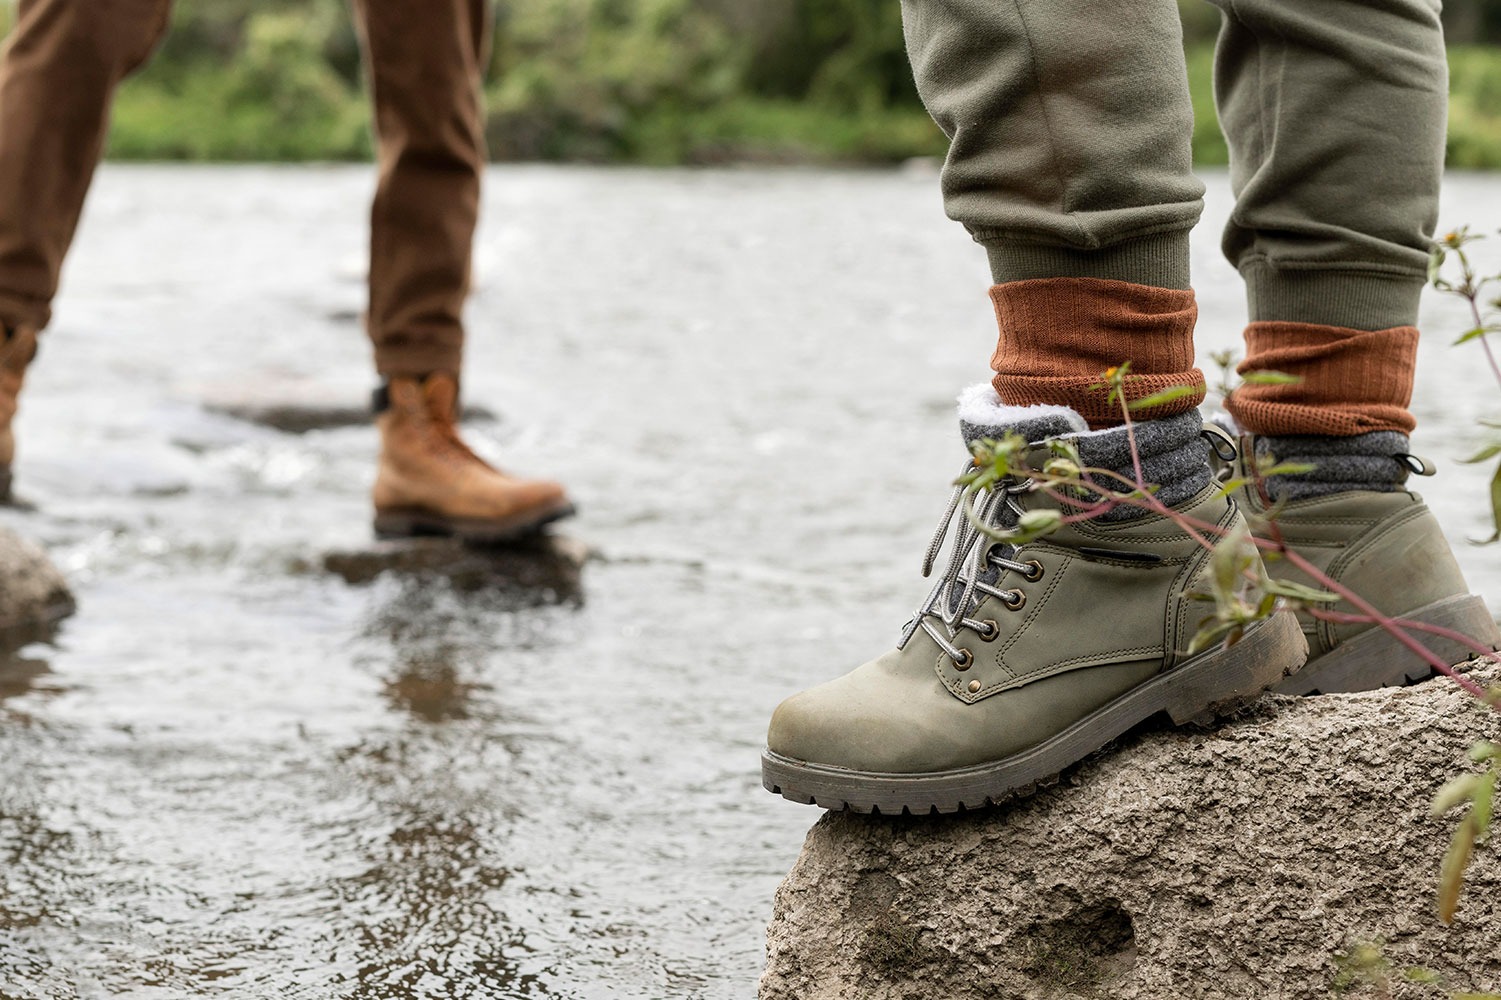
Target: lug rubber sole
<point>1375,659</point>
<point>417,522</point>
<point>1210,685</point>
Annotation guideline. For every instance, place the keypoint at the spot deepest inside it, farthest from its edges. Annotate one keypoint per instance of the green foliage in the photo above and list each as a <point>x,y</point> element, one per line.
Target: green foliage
<point>1478,789</point>
<point>1452,271</point>
<point>646,81</point>
<point>1209,146</point>
<point>236,83</point>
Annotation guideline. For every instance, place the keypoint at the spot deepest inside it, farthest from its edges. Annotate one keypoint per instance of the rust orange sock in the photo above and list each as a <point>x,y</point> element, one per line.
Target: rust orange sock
<point>1352,381</point>
<point>1059,335</point>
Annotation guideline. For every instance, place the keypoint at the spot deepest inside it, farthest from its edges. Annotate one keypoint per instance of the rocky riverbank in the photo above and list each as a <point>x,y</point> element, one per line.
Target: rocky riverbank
<point>1261,859</point>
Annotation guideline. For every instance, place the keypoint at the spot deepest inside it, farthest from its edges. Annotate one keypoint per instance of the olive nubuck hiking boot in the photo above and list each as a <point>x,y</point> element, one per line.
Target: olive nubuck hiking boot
<point>430,483</point>
<point>1026,658</point>
<point>17,348</point>
<point>1381,542</point>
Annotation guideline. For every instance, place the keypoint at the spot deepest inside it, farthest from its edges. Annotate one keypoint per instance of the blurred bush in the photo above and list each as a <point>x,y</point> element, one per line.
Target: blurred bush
<point>645,81</point>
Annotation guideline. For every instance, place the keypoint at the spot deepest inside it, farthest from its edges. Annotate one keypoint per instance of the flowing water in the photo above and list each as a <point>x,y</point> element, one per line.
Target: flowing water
<point>236,773</point>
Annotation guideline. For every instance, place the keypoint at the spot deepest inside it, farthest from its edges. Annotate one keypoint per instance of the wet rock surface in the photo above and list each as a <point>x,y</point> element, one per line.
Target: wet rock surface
<point>33,594</point>
<point>1237,862</point>
<point>545,563</point>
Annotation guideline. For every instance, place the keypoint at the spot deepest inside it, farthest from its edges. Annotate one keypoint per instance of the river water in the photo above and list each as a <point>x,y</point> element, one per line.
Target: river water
<point>235,773</point>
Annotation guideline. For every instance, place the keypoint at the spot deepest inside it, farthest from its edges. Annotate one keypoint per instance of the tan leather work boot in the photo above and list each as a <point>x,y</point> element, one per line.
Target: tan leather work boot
<point>17,348</point>
<point>1387,548</point>
<point>1026,658</point>
<point>430,483</point>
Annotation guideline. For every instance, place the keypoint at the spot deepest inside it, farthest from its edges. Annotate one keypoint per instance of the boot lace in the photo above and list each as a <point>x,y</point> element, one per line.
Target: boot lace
<point>974,567</point>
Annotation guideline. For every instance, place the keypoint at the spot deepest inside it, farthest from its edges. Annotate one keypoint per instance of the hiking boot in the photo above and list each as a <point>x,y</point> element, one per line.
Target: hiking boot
<point>17,348</point>
<point>1384,546</point>
<point>1026,658</point>
<point>430,483</point>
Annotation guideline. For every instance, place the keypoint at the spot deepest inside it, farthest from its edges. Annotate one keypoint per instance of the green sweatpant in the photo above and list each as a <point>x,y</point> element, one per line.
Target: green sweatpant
<point>1070,126</point>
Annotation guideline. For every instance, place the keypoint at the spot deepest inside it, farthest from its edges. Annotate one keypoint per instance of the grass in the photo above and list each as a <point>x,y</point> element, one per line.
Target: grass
<point>209,115</point>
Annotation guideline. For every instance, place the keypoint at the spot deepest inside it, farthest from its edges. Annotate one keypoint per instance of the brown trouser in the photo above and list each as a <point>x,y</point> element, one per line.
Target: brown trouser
<point>425,60</point>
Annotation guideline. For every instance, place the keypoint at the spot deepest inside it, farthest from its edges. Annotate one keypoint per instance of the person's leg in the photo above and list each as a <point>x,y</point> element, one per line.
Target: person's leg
<point>62,63</point>
<point>425,62</point>
<point>1069,162</point>
<point>1335,114</point>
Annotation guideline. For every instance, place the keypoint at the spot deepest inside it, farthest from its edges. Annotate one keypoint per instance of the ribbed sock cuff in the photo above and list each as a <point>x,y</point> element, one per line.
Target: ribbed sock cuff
<point>1351,381</point>
<point>1160,260</point>
<point>1058,336</point>
<point>1353,300</point>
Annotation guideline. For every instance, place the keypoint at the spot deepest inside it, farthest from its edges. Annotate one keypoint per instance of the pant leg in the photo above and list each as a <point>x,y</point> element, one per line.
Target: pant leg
<point>1071,129</point>
<point>1335,114</point>
<point>60,69</point>
<point>425,60</point>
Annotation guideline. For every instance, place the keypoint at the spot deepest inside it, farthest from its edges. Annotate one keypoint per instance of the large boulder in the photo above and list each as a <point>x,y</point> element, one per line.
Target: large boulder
<point>33,594</point>
<point>1288,853</point>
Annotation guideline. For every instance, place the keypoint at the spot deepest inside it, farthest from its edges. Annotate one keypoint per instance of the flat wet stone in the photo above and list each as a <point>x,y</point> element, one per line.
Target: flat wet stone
<point>33,594</point>
<point>543,563</point>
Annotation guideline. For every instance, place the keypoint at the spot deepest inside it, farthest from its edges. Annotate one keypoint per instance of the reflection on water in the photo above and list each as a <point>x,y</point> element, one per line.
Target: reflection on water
<point>271,759</point>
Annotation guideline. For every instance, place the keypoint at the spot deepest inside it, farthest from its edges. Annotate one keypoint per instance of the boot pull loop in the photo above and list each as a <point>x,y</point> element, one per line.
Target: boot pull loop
<point>1416,464</point>
<point>1221,441</point>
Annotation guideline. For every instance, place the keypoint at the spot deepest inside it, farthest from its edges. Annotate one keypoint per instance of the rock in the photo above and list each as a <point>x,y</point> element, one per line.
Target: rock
<point>545,562</point>
<point>1288,854</point>
<point>33,594</point>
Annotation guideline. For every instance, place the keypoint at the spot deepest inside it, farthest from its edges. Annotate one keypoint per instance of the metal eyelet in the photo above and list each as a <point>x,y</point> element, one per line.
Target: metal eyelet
<point>988,630</point>
<point>1014,599</point>
<point>965,661</point>
<point>1034,571</point>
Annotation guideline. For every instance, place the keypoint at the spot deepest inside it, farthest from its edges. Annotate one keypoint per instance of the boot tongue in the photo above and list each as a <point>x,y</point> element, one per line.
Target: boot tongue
<point>982,414</point>
<point>441,390</point>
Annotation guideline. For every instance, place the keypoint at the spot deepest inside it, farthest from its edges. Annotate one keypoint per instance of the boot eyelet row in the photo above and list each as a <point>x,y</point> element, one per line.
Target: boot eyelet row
<point>1034,571</point>
<point>1014,599</point>
<point>964,661</point>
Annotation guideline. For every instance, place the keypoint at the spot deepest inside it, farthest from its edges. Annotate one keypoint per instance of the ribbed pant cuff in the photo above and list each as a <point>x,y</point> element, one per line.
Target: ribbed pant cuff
<point>1160,260</point>
<point>1354,300</point>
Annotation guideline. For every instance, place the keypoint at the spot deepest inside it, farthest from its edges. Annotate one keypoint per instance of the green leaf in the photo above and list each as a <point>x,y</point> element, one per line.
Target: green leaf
<point>1298,591</point>
<point>1271,378</point>
<point>1063,468</point>
<point>1470,335</point>
<point>1456,790</point>
<point>1227,560</point>
<point>1485,796</point>
<point>1489,451</point>
<point>1229,486</point>
<point>1210,634</point>
<point>1039,522</point>
<point>1452,874</point>
<point>1065,448</point>
<point>1288,469</point>
<point>1167,395</point>
<point>1495,506</point>
<point>1418,974</point>
<point>1483,751</point>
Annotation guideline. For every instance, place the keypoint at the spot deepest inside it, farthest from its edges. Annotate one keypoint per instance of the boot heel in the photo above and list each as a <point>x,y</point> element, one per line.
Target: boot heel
<point>1375,659</point>
<point>1218,682</point>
